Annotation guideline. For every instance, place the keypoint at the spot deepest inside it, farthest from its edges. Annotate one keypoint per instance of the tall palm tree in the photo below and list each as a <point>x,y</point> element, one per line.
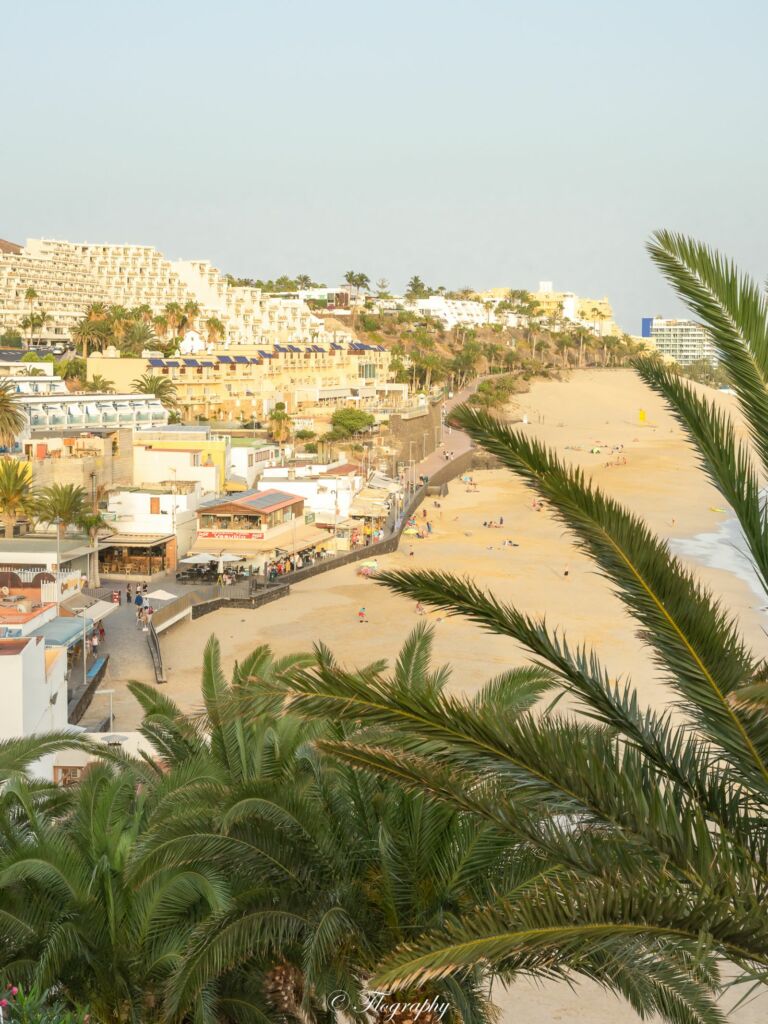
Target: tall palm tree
<point>13,418</point>
<point>214,329</point>
<point>162,388</point>
<point>91,522</point>
<point>30,296</point>
<point>62,504</point>
<point>161,325</point>
<point>17,496</point>
<point>658,826</point>
<point>190,313</point>
<point>91,333</point>
<point>174,314</point>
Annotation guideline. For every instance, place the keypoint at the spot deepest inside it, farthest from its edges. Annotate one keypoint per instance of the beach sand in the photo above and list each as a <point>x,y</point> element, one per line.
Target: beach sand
<point>660,481</point>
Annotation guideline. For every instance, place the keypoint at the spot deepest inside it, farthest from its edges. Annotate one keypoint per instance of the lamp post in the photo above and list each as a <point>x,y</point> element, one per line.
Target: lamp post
<point>85,652</point>
<point>57,523</point>
<point>108,693</point>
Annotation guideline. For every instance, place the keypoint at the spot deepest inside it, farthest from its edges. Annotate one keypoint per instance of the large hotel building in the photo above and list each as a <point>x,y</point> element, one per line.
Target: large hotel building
<point>273,349</point>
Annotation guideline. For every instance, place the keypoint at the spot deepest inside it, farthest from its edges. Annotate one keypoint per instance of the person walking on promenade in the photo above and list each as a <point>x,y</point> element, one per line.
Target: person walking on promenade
<point>128,594</point>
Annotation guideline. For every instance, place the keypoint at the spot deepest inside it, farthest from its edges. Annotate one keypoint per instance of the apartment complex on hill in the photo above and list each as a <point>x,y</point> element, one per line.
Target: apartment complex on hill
<point>69,276</point>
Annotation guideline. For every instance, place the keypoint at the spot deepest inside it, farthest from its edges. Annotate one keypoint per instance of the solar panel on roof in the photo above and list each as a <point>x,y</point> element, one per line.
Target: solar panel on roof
<point>206,362</point>
<point>172,362</point>
<point>224,359</point>
<point>156,362</point>
<point>191,362</point>
<point>267,500</point>
<point>266,355</point>
<point>294,348</point>
<point>241,359</point>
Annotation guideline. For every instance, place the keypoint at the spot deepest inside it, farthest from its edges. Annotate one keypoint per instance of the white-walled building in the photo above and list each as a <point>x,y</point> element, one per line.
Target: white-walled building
<point>33,678</point>
<point>166,509</point>
<point>328,490</point>
<point>153,463</point>
<point>685,341</point>
<point>68,411</point>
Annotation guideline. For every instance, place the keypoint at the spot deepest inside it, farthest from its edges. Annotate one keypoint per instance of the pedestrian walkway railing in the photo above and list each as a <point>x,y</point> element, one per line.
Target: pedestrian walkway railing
<point>153,640</point>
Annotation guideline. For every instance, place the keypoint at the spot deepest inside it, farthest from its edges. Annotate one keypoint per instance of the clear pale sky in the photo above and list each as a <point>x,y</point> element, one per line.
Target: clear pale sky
<point>481,144</point>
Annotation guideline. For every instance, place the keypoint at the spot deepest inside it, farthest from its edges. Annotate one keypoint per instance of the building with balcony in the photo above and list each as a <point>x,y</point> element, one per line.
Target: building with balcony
<point>684,341</point>
<point>248,384</point>
<point>92,411</point>
<point>69,276</point>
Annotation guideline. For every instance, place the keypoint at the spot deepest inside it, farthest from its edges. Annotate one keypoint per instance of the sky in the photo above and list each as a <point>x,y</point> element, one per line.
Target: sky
<point>482,144</point>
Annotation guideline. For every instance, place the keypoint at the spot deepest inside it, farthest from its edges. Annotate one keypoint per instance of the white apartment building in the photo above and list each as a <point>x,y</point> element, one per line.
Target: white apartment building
<point>92,411</point>
<point>68,276</point>
<point>453,312</point>
<point>34,678</point>
<point>685,341</point>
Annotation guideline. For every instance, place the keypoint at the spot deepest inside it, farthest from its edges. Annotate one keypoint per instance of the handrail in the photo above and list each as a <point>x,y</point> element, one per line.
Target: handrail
<point>153,640</point>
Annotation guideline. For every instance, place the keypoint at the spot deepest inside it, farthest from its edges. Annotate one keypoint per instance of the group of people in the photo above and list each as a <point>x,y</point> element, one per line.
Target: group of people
<point>282,566</point>
<point>493,525</point>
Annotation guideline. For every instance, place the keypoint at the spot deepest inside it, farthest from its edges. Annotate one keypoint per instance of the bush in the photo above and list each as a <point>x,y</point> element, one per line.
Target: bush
<point>11,339</point>
<point>304,435</point>
<point>369,323</point>
<point>311,448</point>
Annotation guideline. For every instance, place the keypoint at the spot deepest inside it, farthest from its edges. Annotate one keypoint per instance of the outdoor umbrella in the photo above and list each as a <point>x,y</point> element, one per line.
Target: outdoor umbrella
<point>160,595</point>
<point>226,557</point>
<point>199,559</point>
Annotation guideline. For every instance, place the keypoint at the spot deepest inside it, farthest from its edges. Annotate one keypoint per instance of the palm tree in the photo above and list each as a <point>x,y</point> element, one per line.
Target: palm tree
<point>658,825</point>
<point>137,337</point>
<point>91,333</point>
<point>280,425</point>
<point>190,313</point>
<point>303,282</point>
<point>27,323</point>
<point>17,496</point>
<point>331,870</point>
<point>161,325</point>
<point>174,315</point>
<point>98,385</point>
<point>13,418</point>
<point>90,522</point>
<point>41,319</point>
<point>30,295</point>
<point>215,329</point>
<point>162,388</point>
<point>62,504</point>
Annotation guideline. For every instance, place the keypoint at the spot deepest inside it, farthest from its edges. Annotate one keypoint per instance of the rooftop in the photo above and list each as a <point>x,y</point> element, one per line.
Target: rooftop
<point>261,501</point>
<point>44,545</point>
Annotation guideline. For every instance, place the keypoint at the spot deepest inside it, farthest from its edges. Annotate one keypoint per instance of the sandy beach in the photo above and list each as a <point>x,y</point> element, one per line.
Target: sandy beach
<point>659,480</point>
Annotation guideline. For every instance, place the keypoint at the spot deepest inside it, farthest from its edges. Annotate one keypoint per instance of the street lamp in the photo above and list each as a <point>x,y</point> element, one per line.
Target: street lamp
<point>57,524</point>
<point>107,693</point>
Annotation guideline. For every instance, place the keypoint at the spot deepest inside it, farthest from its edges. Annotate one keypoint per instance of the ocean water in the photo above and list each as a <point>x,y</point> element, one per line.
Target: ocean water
<point>726,549</point>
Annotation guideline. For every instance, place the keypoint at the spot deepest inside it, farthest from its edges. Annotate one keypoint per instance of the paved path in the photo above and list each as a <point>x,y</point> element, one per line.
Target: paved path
<point>455,441</point>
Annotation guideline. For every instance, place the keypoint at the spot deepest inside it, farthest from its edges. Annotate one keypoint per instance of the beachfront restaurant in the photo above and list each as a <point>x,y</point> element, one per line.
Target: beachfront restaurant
<point>257,525</point>
<point>137,554</point>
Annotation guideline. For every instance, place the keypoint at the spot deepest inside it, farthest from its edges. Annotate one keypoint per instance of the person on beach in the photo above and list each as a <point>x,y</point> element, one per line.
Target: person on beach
<point>361,616</point>
<point>420,608</point>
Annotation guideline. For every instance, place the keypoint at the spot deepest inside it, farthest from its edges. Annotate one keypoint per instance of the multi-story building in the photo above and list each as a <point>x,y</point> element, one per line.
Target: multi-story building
<point>453,312</point>
<point>68,276</point>
<point>249,384</point>
<point>85,411</point>
<point>595,314</point>
<point>685,341</point>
